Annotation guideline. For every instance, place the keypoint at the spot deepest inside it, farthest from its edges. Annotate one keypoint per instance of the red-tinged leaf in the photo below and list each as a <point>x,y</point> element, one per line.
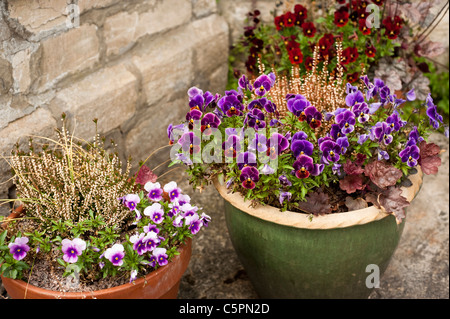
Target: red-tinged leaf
<point>145,175</point>
<point>355,204</point>
<point>382,174</point>
<point>360,158</point>
<point>429,160</point>
<point>352,168</point>
<point>317,203</point>
<point>352,183</point>
<point>430,49</point>
<point>393,202</point>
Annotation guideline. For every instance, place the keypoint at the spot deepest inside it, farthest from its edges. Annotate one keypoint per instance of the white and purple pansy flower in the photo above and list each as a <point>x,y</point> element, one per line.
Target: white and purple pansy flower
<point>160,256</point>
<point>115,254</point>
<point>155,212</point>
<point>19,248</point>
<point>410,155</point>
<point>195,224</point>
<point>262,85</point>
<point>72,249</point>
<point>151,241</point>
<point>346,121</point>
<point>154,190</point>
<point>172,190</point>
<point>139,244</point>
<point>381,131</point>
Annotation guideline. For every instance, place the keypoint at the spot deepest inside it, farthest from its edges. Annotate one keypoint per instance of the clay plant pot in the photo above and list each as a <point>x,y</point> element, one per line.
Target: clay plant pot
<point>287,255</point>
<point>160,284</point>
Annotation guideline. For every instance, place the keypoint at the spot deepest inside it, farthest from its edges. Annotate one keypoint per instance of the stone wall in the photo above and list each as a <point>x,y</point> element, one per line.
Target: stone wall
<point>127,63</point>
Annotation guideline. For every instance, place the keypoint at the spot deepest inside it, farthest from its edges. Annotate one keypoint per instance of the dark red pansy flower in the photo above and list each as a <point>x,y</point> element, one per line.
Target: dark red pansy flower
<point>279,22</point>
<point>352,77</point>
<point>363,27</point>
<point>309,63</point>
<point>371,51</point>
<point>353,54</point>
<point>309,29</point>
<point>392,27</point>
<point>354,16</point>
<point>341,18</point>
<point>250,64</point>
<point>291,45</point>
<point>300,14</point>
<point>341,1</point>
<point>296,56</point>
<point>346,56</point>
<point>289,19</point>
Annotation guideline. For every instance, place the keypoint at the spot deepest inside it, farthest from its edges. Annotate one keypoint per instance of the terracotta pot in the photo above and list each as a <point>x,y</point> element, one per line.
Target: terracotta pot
<point>287,255</point>
<point>160,284</point>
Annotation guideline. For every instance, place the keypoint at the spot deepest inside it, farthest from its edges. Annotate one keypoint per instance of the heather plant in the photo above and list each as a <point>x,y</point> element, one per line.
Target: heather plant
<point>87,217</point>
<point>278,142</point>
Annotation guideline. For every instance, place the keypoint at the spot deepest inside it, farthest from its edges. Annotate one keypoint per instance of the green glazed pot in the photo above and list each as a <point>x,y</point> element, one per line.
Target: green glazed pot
<point>287,255</point>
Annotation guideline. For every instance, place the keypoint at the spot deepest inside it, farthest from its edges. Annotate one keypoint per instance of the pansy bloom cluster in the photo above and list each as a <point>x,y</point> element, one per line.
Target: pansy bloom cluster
<point>363,148</point>
<point>164,218</point>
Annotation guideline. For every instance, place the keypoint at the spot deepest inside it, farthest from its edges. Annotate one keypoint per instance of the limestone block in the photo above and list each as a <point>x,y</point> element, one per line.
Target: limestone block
<point>123,29</point>
<point>6,79</point>
<point>39,16</point>
<point>67,53</point>
<point>86,5</point>
<point>21,70</point>
<point>110,95</point>
<point>203,8</point>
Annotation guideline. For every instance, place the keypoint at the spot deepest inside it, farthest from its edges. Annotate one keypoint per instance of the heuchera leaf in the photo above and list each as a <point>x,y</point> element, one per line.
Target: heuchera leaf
<point>429,160</point>
<point>352,168</point>
<point>145,175</point>
<point>391,200</point>
<point>352,183</point>
<point>382,174</point>
<point>317,203</point>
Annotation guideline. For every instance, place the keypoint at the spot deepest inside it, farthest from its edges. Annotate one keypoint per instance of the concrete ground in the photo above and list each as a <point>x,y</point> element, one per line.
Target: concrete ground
<point>419,268</point>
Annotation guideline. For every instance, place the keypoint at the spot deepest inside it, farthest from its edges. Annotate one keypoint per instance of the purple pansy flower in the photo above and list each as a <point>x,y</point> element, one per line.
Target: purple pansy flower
<point>302,147</point>
<point>160,256</point>
<point>115,254</point>
<point>246,159</point>
<point>151,241</point>
<point>284,181</point>
<point>346,121</point>
<point>381,132</point>
<point>231,105</point>
<point>395,122</point>
<point>414,138</point>
<point>174,131</point>
<point>284,196</point>
<point>205,219</point>
<point>382,155</point>
<point>139,244</point>
<point>304,167</point>
<point>258,144</point>
<point>297,104</point>
<point>335,132</point>
<point>195,224</point>
<point>255,119</point>
<point>258,103</point>
<point>209,123</point>
<point>19,248</point>
<point>262,85</point>
<point>190,143</point>
<point>353,98</point>
<point>131,201</point>
<point>361,111</point>
<point>276,144</point>
<point>154,191</point>
<point>313,117</point>
<point>249,176</point>
<point>362,138</point>
<point>267,170</point>
<point>72,249</point>
<point>231,146</point>
<point>151,228</point>
<point>192,116</point>
<point>244,83</point>
<point>330,151</point>
<point>410,155</point>
<point>411,95</point>
<point>433,115</point>
<point>343,144</point>
<point>155,212</point>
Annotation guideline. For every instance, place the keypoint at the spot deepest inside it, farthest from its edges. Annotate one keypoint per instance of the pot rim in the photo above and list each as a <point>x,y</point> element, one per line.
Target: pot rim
<point>330,221</point>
